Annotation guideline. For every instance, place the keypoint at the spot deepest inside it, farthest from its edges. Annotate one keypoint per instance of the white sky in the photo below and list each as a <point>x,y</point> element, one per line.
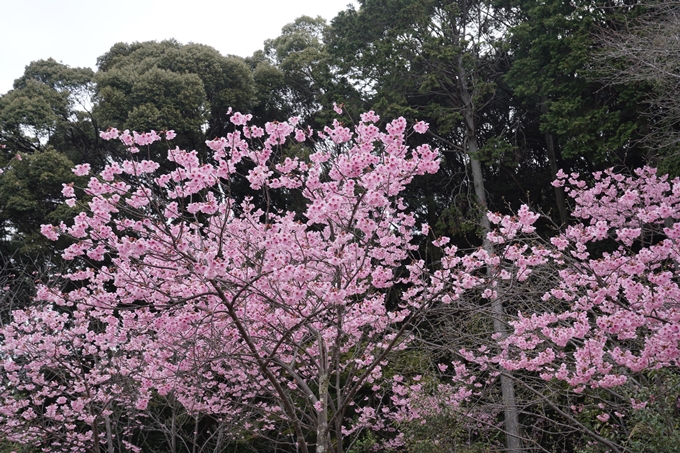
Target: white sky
<point>76,32</point>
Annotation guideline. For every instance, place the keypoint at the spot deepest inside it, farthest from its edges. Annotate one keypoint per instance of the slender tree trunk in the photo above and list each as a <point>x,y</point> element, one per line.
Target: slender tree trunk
<point>513,440</point>
<point>322,437</point>
<point>193,448</point>
<point>339,400</point>
<point>218,442</point>
<point>109,436</point>
<point>552,157</point>
<point>323,444</point>
<point>95,435</point>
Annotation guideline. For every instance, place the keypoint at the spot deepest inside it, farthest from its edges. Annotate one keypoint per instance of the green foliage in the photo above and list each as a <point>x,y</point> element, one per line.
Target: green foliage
<point>49,107</point>
<point>553,45</point>
<point>652,429</point>
<point>56,76</point>
<point>447,431</point>
<point>365,444</point>
<point>295,75</point>
<point>46,119</point>
<point>405,53</point>
<point>158,85</point>
<point>35,106</point>
<point>6,447</point>
<point>30,195</point>
<point>270,89</point>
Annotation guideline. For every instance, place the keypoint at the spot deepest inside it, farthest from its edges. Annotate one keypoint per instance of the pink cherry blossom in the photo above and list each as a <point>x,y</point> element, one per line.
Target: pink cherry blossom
<point>81,169</point>
<point>255,313</point>
<point>239,119</point>
<point>421,127</point>
<point>225,283</point>
<point>67,190</point>
<point>369,117</point>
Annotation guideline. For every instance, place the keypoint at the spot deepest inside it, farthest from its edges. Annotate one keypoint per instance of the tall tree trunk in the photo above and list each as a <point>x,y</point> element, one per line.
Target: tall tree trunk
<point>218,442</point>
<point>322,437</point>
<point>95,436</point>
<point>109,434</point>
<point>195,442</point>
<point>513,440</point>
<point>552,157</point>
<point>339,396</point>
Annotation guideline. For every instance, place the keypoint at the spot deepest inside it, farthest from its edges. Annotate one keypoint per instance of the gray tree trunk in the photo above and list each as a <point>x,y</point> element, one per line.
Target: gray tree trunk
<point>513,440</point>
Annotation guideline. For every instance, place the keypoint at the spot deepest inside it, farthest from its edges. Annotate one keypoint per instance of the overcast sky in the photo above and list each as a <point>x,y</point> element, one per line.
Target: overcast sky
<point>76,32</point>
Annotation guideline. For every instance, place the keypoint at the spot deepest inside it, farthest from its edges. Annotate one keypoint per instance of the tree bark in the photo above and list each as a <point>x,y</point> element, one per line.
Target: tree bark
<point>322,438</point>
<point>513,440</point>
<point>95,436</point>
<point>552,157</point>
<point>109,435</point>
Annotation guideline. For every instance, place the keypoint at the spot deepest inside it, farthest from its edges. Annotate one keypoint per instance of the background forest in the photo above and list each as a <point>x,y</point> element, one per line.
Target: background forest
<point>512,90</point>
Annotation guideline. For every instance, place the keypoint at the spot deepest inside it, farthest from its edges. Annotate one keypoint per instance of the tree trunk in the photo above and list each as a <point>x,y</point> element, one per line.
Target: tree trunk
<point>322,437</point>
<point>95,436</point>
<point>109,435</point>
<point>514,444</point>
<point>552,157</point>
<point>195,443</point>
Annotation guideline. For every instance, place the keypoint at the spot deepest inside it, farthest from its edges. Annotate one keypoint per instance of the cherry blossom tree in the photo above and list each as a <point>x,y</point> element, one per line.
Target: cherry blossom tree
<point>266,319</point>
<point>68,385</point>
<point>236,310</point>
<point>598,304</point>
<point>616,293</point>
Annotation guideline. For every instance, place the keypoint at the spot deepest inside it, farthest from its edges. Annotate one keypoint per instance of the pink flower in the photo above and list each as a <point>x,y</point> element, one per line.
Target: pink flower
<point>338,108</point>
<point>421,127</point>
<point>109,134</point>
<point>397,127</point>
<point>369,117</point>
<point>638,404</point>
<point>239,119</point>
<point>126,138</point>
<point>67,191</point>
<point>299,135</point>
<point>141,404</point>
<point>18,156</point>
<point>256,132</point>
<point>146,138</point>
<point>81,170</point>
<point>49,232</point>
<point>169,135</point>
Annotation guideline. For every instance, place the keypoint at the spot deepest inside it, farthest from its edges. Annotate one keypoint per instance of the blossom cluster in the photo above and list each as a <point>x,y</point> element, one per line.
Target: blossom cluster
<point>609,314</point>
<point>233,309</point>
